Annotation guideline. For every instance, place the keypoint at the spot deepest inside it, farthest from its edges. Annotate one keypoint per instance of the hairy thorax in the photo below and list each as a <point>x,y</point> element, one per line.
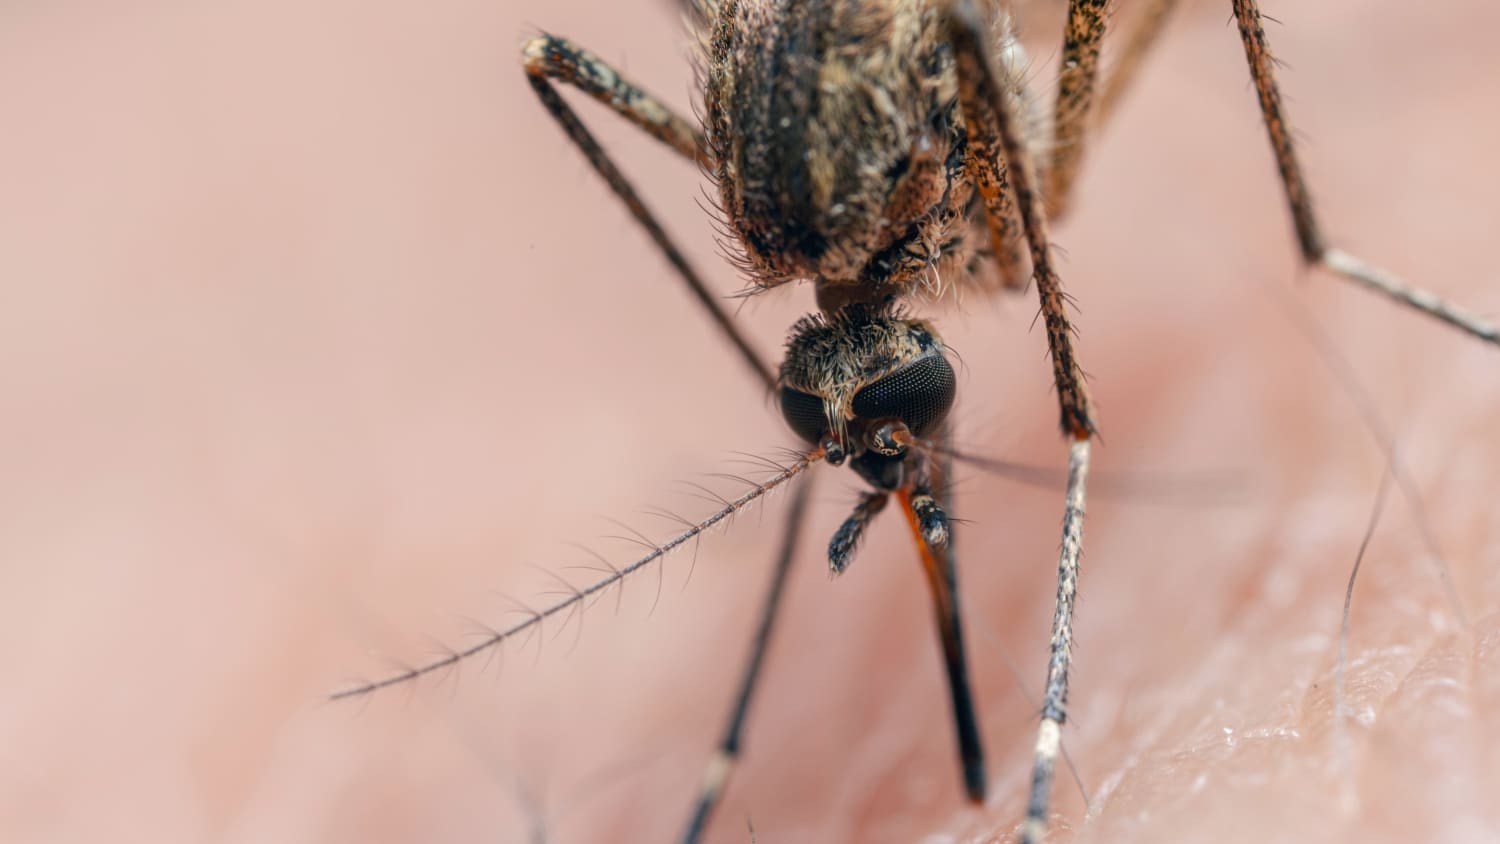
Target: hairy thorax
<point>837,144</point>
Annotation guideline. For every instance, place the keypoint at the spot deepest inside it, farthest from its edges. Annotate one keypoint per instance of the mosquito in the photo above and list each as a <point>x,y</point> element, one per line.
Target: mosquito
<point>885,150</point>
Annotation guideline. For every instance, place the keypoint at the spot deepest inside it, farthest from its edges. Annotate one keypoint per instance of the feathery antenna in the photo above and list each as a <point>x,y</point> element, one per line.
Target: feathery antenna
<point>575,598</point>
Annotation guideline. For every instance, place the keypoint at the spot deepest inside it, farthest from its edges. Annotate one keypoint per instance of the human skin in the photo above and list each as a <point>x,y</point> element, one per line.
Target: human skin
<point>318,336</point>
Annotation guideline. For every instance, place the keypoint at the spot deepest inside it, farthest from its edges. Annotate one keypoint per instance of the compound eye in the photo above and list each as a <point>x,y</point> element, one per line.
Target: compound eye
<point>804,413</point>
<point>919,394</point>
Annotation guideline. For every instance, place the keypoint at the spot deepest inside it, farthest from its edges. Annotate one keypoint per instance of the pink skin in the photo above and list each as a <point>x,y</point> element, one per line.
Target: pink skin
<point>316,333</point>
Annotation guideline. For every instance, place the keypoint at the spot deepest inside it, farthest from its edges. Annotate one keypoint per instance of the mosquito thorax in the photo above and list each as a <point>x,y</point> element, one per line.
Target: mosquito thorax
<point>838,150</point>
<point>865,383</point>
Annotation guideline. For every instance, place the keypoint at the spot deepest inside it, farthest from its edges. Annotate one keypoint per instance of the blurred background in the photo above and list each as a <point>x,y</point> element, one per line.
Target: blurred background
<point>318,338</point>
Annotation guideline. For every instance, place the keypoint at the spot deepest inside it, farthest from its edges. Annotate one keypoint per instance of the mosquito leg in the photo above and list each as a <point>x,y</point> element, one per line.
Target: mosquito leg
<point>992,133</point>
<point>1314,249</point>
<point>556,58</point>
<point>1077,110</point>
<point>1055,696</point>
<point>722,763</point>
<point>1002,222</point>
<point>546,58</point>
<point>1075,96</point>
<point>924,515</point>
<point>994,143</point>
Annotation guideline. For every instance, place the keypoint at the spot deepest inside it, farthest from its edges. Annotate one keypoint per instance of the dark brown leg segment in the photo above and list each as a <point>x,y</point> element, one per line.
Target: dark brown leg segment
<point>994,143</point>
<point>546,58</point>
<point>1082,38</point>
<point>993,134</point>
<point>1314,249</point>
<point>557,58</point>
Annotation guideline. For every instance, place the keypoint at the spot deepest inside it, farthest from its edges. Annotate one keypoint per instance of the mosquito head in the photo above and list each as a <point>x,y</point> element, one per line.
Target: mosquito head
<point>864,384</point>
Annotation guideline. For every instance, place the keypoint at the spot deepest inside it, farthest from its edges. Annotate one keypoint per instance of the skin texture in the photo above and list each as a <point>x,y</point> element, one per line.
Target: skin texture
<point>317,337</point>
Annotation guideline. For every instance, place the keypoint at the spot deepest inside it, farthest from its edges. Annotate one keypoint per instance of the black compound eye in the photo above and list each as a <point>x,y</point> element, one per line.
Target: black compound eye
<point>919,394</point>
<point>804,413</point>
